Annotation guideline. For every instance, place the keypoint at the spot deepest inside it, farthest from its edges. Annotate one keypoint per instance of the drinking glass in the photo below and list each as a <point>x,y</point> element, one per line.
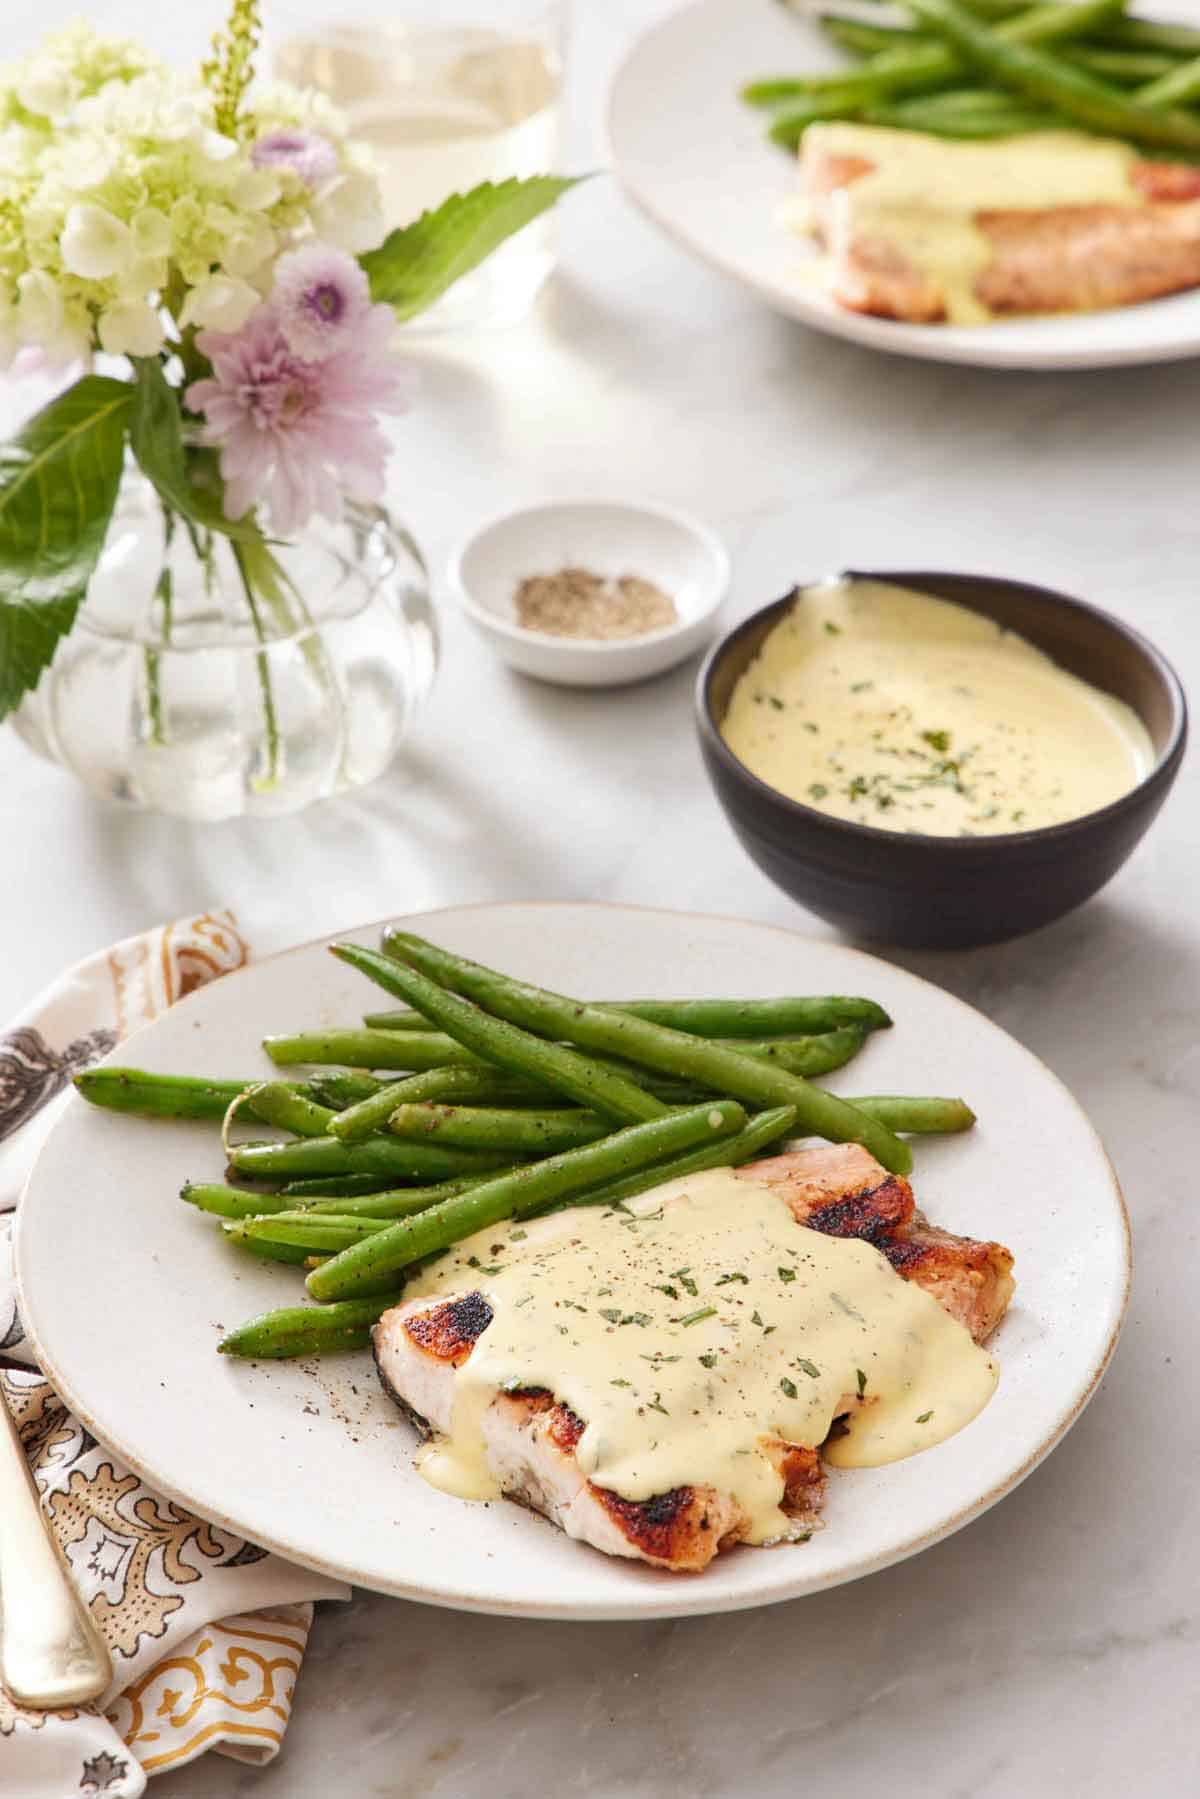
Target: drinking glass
<point>448,95</point>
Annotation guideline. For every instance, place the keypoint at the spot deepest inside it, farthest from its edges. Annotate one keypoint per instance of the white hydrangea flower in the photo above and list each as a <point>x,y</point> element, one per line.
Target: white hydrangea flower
<point>58,324</point>
<point>220,303</point>
<point>349,213</point>
<point>117,194</point>
<point>95,244</point>
<point>131,328</point>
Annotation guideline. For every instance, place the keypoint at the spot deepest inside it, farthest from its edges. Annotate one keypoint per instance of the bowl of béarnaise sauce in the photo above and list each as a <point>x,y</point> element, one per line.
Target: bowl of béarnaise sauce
<point>938,759</point>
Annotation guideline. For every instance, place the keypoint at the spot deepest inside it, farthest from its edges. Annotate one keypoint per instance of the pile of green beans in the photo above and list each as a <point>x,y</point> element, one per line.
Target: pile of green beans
<point>485,1099</point>
<point>995,68</point>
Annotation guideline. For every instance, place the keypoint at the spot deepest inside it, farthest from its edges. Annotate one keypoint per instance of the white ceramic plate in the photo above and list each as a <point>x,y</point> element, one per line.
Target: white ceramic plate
<point>695,160</point>
<point>125,1291</point>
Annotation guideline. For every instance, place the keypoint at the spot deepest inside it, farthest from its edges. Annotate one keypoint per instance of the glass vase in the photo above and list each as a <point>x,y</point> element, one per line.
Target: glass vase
<point>210,681</point>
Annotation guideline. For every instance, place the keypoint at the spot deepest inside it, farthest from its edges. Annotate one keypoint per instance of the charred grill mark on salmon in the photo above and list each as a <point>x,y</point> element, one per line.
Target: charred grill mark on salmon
<point>970,1279</point>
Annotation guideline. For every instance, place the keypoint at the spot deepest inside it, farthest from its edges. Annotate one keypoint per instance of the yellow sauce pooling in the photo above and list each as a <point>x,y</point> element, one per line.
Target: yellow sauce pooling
<point>896,709</point>
<point>923,194</point>
<point>689,1325</point>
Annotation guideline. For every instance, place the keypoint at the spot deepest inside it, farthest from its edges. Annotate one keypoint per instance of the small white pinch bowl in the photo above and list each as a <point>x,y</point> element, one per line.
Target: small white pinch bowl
<point>612,538</point>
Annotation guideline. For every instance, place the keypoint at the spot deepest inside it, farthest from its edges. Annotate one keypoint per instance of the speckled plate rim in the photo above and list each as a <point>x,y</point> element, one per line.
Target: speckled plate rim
<point>653,1595</point>
<point>1164,330</point>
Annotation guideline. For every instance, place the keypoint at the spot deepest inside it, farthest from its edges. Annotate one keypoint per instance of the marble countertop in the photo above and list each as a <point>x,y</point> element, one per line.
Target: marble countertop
<point>1050,1648</point>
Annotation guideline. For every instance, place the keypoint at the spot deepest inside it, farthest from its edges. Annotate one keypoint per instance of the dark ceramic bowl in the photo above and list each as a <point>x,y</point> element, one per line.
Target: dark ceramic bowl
<point>949,892</point>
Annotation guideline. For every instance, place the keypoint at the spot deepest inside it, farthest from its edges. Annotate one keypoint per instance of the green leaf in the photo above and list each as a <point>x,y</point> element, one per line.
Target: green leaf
<point>156,436</point>
<point>415,264</point>
<point>58,484</point>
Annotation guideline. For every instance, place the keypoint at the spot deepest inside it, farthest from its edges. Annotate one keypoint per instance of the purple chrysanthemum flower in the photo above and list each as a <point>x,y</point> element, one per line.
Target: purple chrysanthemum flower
<point>296,435</point>
<point>321,297</point>
<point>305,153</point>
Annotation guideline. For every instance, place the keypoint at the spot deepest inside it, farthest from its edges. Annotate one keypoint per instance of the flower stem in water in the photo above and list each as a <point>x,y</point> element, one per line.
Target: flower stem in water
<point>264,671</point>
<point>164,594</point>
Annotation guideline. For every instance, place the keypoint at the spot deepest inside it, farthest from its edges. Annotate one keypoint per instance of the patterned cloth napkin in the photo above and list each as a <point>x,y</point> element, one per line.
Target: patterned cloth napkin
<point>206,1631</point>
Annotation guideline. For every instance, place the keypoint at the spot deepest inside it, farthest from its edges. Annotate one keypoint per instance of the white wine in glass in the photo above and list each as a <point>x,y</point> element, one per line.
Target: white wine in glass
<point>444,104</point>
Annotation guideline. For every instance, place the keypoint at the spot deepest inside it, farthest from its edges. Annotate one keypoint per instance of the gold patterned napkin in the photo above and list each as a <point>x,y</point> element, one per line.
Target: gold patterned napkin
<point>206,1631</point>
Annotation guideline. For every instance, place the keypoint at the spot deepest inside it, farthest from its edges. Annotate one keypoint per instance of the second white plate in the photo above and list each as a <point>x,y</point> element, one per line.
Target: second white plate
<point>696,161</point>
<point>126,1292</point>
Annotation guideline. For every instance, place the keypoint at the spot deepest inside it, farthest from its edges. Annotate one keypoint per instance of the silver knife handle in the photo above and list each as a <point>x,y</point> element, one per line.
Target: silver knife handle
<point>50,1651</point>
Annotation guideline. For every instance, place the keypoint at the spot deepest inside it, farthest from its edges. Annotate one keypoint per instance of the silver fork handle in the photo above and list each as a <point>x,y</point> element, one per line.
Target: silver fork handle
<point>50,1651</point>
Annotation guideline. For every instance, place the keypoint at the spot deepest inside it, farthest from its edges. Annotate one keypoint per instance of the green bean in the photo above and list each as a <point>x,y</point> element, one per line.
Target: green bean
<point>1176,88</point>
<point>398,1202</point>
<point>158,1095</point>
<point>917,115</point>
<point>489,1127</point>
<point>802,1055</point>
<point>918,1115</point>
<point>444,1084</point>
<point>309,1330</point>
<point>326,1233</point>
<point>336,1186</point>
<point>338,1088</point>
<point>370,1049</point>
<point>1043,77</point>
<point>919,68</point>
<point>378,1155</point>
<point>760,1083</point>
<point>1125,67</point>
<point>869,40</point>
<point>1148,34</point>
<point>800,1015</point>
<point>231,1202</point>
<point>268,1252</point>
<point>504,1043</point>
<point>764,1128</point>
<point>277,1103</point>
<point>524,1190</point>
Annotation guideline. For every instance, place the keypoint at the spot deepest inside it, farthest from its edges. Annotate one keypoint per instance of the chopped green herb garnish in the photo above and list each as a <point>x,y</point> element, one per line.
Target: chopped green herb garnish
<point>695,1317</point>
<point>671,1292</point>
<point>723,1280</point>
<point>925,1417</point>
<point>616,1316</point>
<point>517,1236</point>
<point>786,1274</point>
<point>861,686</point>
<point>818,790</point>
<point>862,1382</point>
<point>809,1368</point>
<point>937,740</point>
<point>789,1387</point>
<point>681,1275</point>
<point>773,701</point>
<point>832,630</point>
<point>656,1405</point>
<point>845,1306</point>
<point>709,1360</point>
<point>620,1383</point>
<point>756,1318</point>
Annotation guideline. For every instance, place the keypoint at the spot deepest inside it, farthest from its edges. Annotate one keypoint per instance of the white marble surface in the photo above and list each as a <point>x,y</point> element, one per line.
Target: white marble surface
<point>1051,1648</point>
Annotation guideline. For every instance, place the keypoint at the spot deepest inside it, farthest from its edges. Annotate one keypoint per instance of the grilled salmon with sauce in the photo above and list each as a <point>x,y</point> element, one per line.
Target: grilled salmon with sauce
<point>923,260</point>
<point>530,1436</point>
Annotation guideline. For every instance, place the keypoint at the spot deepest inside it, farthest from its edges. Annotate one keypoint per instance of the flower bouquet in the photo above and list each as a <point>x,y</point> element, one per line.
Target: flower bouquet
<point>224,239</point>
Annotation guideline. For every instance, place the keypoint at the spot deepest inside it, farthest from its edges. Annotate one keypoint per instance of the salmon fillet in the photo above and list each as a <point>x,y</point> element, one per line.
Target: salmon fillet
<point>843,1192</point>
<point>531,1437</point>
<point>1051,259</point>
